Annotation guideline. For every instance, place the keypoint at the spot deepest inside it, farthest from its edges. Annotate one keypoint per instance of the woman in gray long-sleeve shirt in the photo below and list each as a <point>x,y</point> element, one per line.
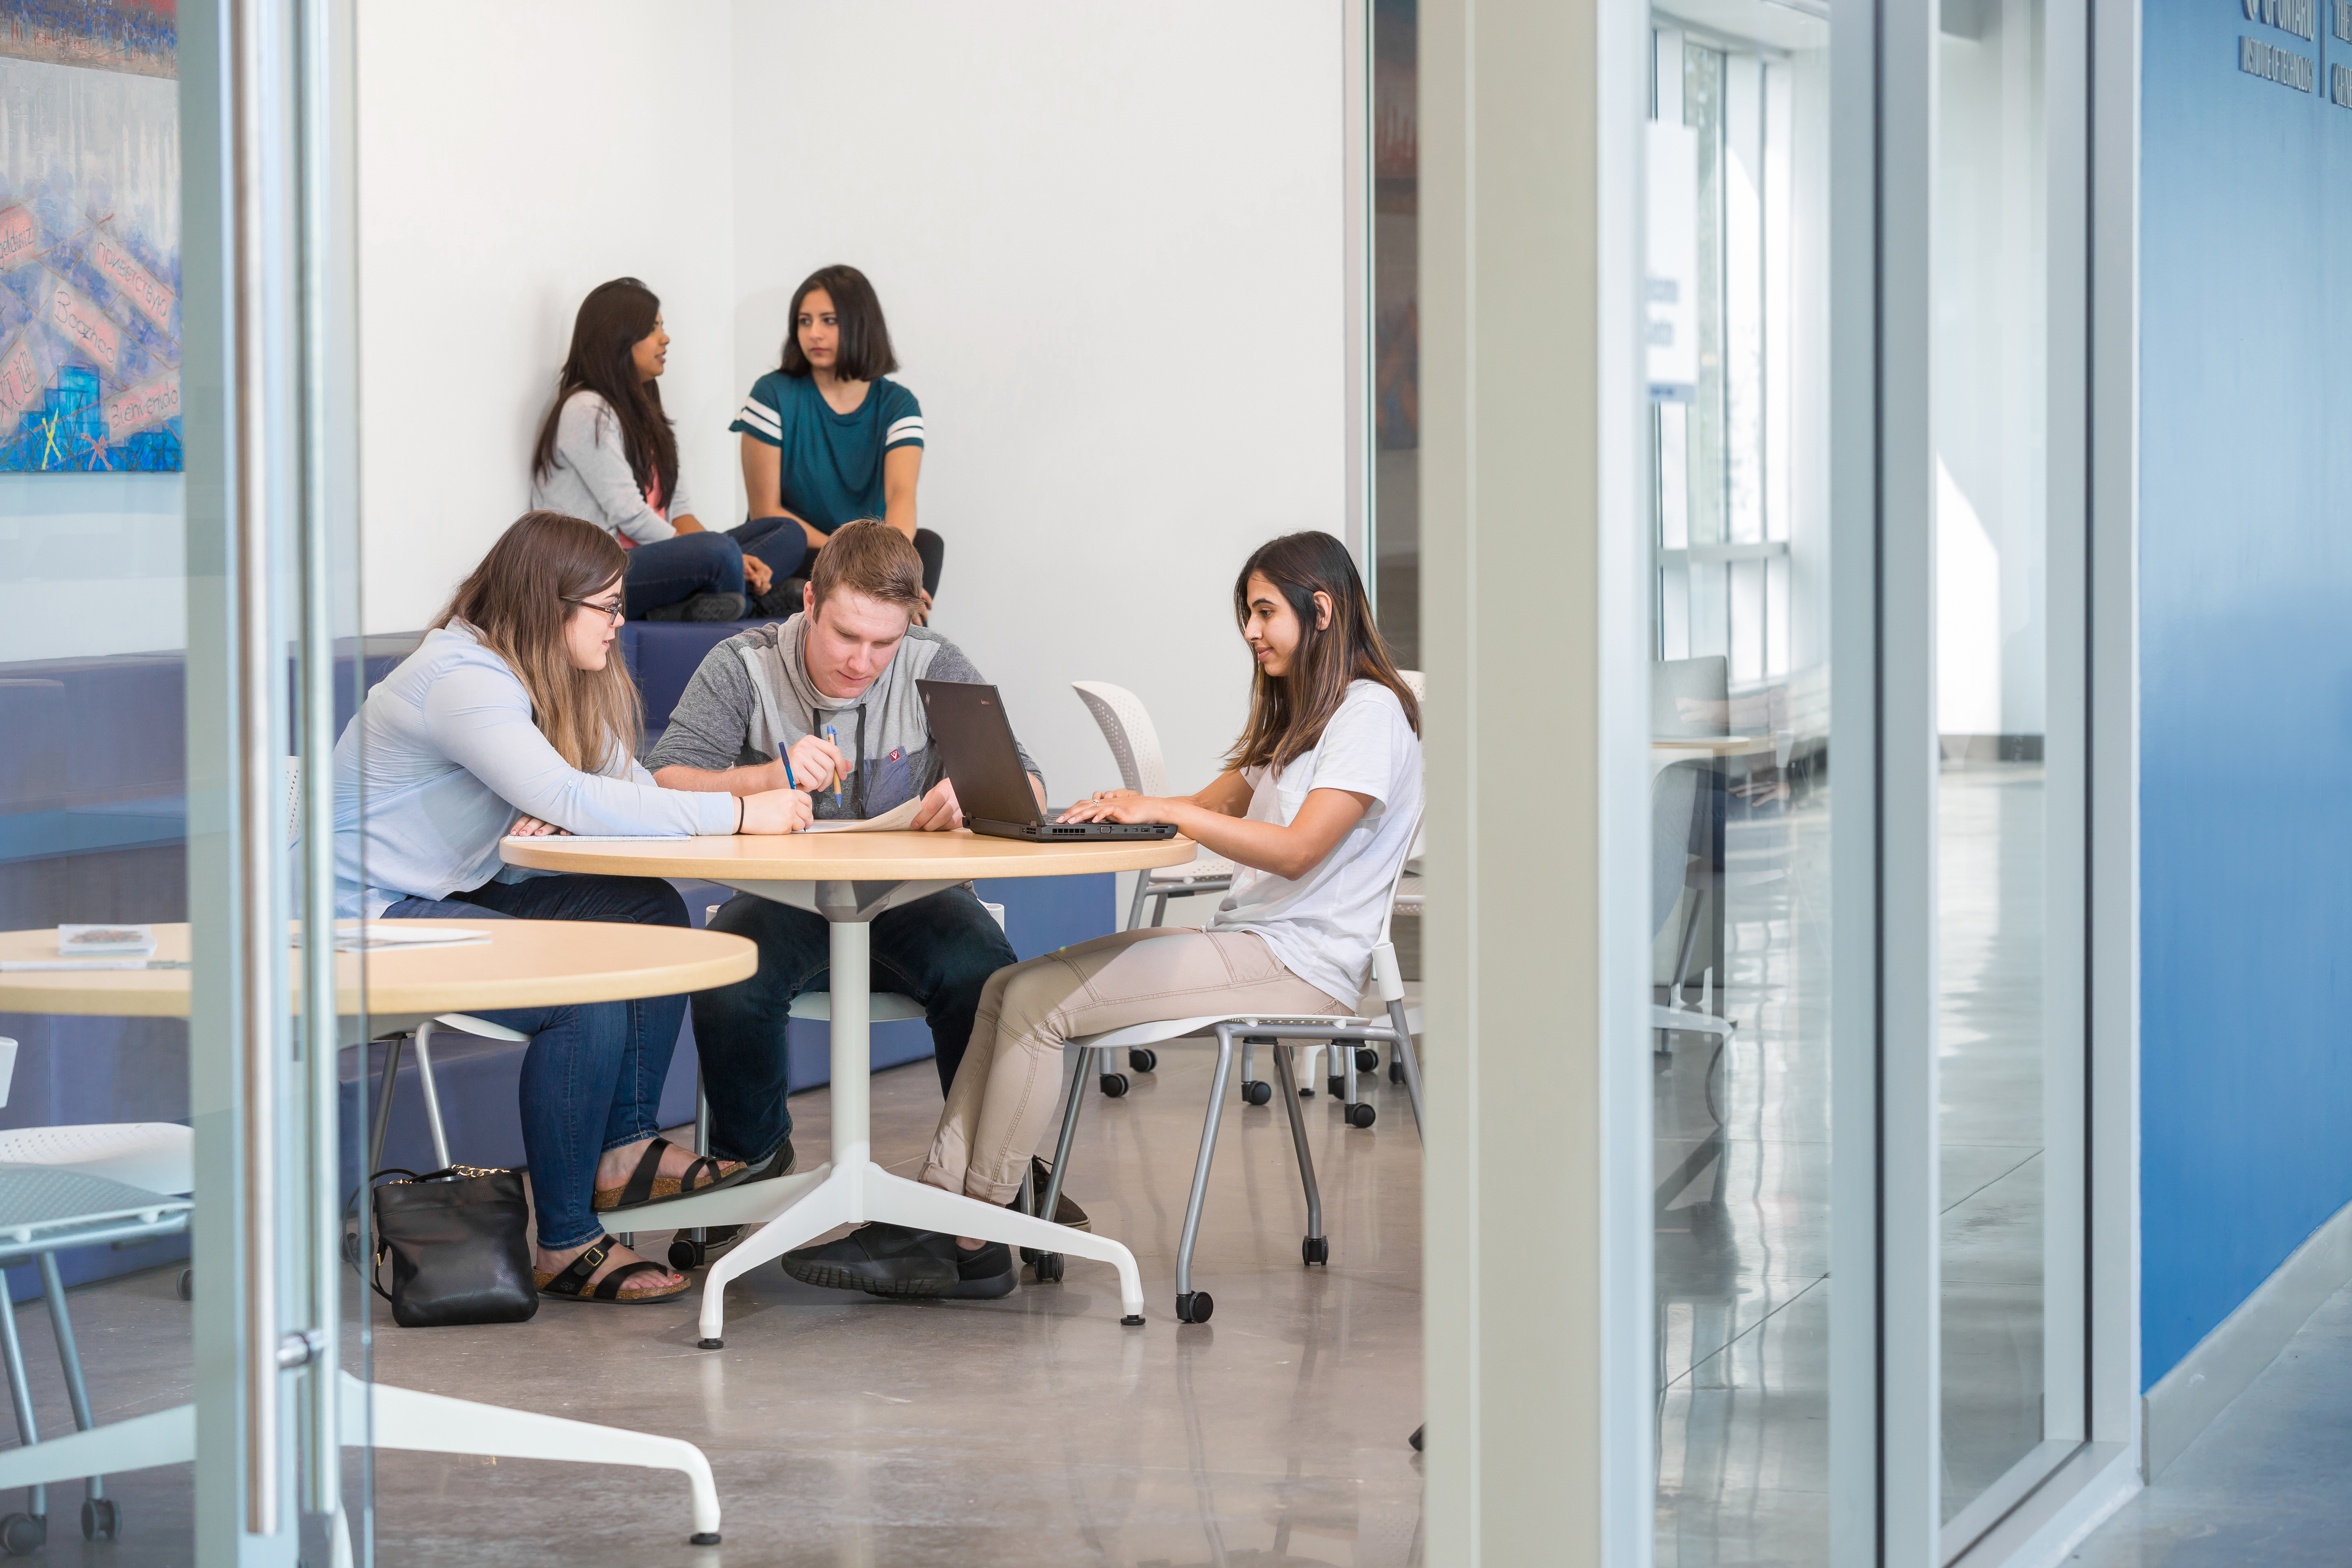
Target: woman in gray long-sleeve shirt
<point>514,716</point>
<point>605,453</point>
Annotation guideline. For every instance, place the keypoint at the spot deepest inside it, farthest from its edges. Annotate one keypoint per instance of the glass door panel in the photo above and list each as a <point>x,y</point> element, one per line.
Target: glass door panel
<point>2008,846</point>
<point>1739,794</point>
<point>165,623</point>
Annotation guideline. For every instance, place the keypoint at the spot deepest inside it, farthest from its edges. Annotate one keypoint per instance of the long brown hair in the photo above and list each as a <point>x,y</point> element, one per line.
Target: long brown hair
<point>1287,713</point>
<point>517,602</point>
<point>613,320</point>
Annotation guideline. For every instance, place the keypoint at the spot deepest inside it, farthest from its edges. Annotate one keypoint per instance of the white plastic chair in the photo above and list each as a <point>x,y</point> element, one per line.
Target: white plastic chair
<point>1135,747</point>
<point>465,1023</point>
<point>1251,1030</point>
<point>77,1186</point>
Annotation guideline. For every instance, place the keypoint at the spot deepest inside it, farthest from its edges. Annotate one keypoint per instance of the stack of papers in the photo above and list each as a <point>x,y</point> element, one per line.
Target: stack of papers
<point>106,941</point>
<point>375,936</point>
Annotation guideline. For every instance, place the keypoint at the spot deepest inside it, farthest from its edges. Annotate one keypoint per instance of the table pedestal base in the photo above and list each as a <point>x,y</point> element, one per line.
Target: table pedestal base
<point>834,1195</point>
<point>792,1211</point>
<point>403,1419</point>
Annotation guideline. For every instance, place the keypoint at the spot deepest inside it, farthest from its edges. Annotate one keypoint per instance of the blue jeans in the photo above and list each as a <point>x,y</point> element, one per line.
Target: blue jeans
<point>940,950</point>
<point>778,540</point>
<point>669,570</point>
<point>592,1077</point>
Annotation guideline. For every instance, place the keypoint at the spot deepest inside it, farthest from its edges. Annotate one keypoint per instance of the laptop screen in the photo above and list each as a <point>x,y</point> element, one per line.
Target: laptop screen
<point>976,741</point>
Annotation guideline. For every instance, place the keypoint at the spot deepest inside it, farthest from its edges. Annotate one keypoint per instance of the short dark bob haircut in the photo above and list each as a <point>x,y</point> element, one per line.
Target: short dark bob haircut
<point>865,351</point>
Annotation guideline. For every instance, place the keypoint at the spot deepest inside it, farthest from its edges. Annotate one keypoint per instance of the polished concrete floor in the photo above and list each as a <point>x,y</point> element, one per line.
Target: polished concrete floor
<point>2264,1483</point>
<point>1742,1160</point>
<point>846,1431</point>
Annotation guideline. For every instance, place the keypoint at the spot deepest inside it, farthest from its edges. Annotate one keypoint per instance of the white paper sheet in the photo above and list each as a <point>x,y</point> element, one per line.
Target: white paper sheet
<point>888,821</point>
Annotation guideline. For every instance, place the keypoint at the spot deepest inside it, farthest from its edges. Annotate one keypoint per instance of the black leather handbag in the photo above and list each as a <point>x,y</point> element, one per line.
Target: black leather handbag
<point>459,1244</point>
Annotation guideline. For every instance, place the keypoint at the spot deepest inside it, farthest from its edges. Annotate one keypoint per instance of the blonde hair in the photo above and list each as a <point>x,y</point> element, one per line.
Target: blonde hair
<point>517,602</point>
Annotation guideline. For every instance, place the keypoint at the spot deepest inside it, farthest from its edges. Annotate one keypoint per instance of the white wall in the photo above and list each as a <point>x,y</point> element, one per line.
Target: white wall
<point>510,158</point>
<point>1109,242</point>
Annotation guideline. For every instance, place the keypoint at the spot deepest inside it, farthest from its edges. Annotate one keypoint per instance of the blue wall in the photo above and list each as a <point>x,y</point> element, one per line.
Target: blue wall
<point>2246,666</point>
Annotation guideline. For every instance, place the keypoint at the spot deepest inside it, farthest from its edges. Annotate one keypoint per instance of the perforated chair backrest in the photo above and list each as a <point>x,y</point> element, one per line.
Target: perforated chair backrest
<point>1690,696</point>
<point>1673,811</point>
<point>293,800</point>
<point>1419,685</point>
<point>1388,912</point>
<point>1134,743</point>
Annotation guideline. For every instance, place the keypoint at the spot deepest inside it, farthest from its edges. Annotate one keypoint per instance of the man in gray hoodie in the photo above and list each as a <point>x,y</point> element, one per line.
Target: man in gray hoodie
<point>832,689</point>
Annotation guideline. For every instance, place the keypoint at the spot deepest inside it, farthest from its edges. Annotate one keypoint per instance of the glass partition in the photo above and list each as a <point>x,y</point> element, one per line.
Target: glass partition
<point>170,611</point>
<point>2009,860</point>
<point>1740,796</point>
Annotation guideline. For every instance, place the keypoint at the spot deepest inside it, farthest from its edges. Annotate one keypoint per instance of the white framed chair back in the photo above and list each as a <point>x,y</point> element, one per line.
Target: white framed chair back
<point>1134,743</point>
<point>293,800</point>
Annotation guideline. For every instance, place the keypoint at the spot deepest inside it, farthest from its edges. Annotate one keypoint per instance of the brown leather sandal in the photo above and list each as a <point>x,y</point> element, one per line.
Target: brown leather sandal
<point>571,1283</point>
<point>646,1184</point>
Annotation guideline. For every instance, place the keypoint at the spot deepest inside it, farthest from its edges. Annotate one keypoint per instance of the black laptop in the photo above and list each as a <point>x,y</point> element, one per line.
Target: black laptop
<point>969,726</point>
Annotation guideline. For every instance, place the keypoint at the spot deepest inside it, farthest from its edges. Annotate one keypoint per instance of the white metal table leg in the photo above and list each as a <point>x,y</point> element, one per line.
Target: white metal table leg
<point>437,1424</point>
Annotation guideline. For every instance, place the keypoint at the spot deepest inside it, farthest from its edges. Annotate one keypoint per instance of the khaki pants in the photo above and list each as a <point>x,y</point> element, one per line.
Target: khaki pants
<point>1005,1092</point>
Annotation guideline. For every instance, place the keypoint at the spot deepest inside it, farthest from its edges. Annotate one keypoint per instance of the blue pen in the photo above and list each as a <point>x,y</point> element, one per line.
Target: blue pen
<point>786,757</point>
<point>837,776</point>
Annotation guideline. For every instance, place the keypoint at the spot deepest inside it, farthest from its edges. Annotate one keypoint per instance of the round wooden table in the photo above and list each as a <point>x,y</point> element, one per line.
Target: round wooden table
<point>848,879</point>
<point>526,963</point>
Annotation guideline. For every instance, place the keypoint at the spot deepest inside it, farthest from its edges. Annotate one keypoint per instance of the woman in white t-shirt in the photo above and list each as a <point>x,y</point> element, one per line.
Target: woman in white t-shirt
<point>1316,810</point>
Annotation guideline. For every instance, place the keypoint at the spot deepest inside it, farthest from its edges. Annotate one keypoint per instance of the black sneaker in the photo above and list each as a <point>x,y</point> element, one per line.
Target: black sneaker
<point>781,602</point>
<point>881,1259</point>
<point>984,1273</point>
<point>715,608</point>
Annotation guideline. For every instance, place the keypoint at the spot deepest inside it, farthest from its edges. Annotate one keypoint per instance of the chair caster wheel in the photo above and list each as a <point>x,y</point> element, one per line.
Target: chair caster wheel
<point>1049,1267</point>
<point>1255,1092</point>
<point>710,1344</point>
<point>101,1520</point>
<point>1367,1059</point>
<point>1415,1438</point>
<point>1361,1115</point>
<point>685,1256</point>
<point>1316,1249</point>
<point>186,1286</point>
<point>22,1534</point>
<point>1336,1086</point>
<point>1396,1073</point>
<point>1143,1060</point>
<point>703,1538</point>
<point>1194,1307</point>
<point>1113,1084</point>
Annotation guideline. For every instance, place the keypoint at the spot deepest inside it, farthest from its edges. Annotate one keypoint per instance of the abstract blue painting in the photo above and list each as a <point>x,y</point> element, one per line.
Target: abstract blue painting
<point>89,237</point>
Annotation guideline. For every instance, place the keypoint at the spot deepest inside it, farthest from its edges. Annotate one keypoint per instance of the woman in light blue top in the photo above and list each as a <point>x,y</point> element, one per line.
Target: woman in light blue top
<point>513,716</point>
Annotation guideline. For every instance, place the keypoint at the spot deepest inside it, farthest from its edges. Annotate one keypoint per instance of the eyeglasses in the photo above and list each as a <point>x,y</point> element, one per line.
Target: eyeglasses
<point>612,611</point>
